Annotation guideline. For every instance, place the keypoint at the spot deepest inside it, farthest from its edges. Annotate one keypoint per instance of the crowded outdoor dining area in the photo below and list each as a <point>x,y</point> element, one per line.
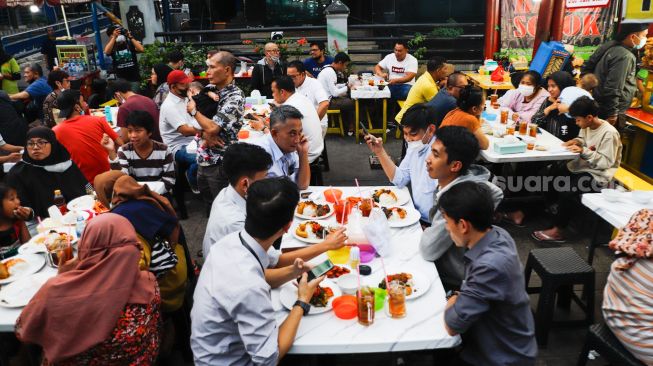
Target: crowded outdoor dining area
<point>170,205</point>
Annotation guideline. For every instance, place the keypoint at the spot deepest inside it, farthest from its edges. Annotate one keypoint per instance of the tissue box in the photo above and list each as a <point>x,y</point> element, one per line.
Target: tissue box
<point>509,148</point>
<point>255,100</point>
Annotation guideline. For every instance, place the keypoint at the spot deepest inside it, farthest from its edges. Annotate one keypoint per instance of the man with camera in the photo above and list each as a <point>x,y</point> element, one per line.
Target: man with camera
<point>122,48</point>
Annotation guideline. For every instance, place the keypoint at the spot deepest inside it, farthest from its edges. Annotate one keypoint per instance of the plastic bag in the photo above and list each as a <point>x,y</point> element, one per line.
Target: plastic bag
<point>377,232</point>
<point>497,74</point>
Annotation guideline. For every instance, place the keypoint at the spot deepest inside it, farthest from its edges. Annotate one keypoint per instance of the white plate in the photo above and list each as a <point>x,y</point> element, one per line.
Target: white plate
<point>412,217</point>
<point>288,296</point>
<point>70,218</point>
<point>316,217</point>
<point>421,283</point>
<point>311,239</point>
<point>34,263</point>
<point>82,203</point>
<point>17,294</point>
<point>33,247</point>
<point>403,197</point>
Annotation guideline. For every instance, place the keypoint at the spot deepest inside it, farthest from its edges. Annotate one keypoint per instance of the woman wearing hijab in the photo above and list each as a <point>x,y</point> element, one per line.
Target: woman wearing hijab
<point>9,72</point>
<point>103,310</point>
<point>628,294</point>
<point>528,98</point>
<point>46,167</point>
<point>550,116</point>
<point>158,78</point>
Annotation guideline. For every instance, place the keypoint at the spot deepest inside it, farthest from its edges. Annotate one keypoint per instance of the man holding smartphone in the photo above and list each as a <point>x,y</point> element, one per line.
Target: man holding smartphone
<point>234,324</point>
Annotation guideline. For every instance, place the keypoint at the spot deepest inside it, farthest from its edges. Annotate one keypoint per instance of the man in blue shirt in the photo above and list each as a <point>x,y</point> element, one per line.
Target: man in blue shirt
<point>318,59</point>
<point>492,310</point>
<point>419,133</point>
<point>36,92</point>
<point>445,100</point>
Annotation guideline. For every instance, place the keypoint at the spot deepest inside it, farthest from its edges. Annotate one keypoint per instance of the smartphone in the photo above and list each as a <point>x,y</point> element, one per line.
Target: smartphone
<point>320,270</point>
<point>365,131</point>
<point>303,195</point>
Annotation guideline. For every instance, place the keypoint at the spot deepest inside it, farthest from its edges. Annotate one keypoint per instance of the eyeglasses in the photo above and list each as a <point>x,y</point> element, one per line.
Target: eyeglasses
<point>39,143</point>
<point>273,51</point>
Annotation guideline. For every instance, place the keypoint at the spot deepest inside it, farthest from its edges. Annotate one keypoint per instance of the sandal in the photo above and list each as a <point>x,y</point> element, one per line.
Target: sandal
<point>504,218</point>
<point>541,237</point>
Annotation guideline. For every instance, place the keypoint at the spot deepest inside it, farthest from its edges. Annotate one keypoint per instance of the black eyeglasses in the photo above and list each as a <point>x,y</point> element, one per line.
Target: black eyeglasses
<point>39,143</point>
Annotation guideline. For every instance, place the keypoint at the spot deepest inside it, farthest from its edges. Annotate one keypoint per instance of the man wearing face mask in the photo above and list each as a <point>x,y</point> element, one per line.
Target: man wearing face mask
<point>419,132</point>
<point>615,66</point>
<point>129,102</point>
<point>266,69</point>
<point>122,49</point>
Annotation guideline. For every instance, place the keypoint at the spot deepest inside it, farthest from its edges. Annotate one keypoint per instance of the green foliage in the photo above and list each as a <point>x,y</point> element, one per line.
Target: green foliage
<point>447,32</point>
<point>157,52</point>
<point>416,44</point>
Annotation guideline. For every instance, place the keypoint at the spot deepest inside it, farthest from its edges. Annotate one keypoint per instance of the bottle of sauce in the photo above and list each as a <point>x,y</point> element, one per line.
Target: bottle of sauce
<point>60,201</point>
<point>354,257</point>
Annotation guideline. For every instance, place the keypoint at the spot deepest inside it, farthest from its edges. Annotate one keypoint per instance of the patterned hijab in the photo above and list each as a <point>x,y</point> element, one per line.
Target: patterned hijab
<point>635,239</point>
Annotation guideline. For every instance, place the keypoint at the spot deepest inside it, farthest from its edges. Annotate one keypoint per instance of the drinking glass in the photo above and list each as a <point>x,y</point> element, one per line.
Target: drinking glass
<point>365,299</point>
<point>396,299</point>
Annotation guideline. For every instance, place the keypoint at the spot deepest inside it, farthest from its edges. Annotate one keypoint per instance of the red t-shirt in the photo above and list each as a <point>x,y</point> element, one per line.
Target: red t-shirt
<point>140,103</point>
<point>82,137</point>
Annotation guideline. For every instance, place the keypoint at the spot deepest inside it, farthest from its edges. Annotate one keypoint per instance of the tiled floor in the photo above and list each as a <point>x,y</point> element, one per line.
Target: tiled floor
<point>349,161</point>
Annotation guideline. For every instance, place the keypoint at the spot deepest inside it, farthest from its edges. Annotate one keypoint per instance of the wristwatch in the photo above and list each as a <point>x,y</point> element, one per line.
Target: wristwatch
<point>193,112</point>
<point>306,307</point>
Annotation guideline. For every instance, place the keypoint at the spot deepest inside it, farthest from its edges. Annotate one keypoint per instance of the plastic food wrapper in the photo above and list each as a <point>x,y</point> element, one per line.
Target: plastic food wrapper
<point>497,74</point>
<point>377,232</point>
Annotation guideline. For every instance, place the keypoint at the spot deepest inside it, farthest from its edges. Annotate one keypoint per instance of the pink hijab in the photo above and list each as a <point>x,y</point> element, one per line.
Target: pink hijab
<point>79,309</point>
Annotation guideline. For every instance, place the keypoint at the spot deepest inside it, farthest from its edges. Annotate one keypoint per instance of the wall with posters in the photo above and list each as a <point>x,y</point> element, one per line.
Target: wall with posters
<point>584,28</point>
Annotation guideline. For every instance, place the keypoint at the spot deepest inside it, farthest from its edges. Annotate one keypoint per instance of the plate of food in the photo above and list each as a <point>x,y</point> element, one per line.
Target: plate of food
<point>337,271</point>
<point>401,216</point>
<point>311,210</point>
<point>311,231</point>
<point>389,196</point>
<point>18,293</point>
<point>416,283</point>
<point>82,203</point>
<point>21,265</point>
<point>52,238</point>
<point>321,301</point>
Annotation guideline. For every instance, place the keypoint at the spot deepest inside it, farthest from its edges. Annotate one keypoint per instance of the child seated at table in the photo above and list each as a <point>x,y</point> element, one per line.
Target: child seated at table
<point>468,114</point>
<point>599,148</point>
<point>142,158</point>
<point>13,230</point>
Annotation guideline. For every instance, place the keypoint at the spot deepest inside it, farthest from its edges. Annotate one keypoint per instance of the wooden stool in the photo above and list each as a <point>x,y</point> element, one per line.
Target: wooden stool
<point>560,269</point>
<point>332,115</point>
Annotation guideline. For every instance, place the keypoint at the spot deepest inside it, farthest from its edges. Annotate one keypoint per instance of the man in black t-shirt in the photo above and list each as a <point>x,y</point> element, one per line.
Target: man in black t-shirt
<point>122,48</point>
<point>49,48</point>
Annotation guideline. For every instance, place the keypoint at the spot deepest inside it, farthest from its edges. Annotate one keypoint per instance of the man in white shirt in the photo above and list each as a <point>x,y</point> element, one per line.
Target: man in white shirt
<point>283,92</point>
<point>177,127</point>
<point>245,164</point>
<point>338,91</point>
<point>233,320</point>
<point>311,89</point>
<point>287,145</point>
<point>399,68</point>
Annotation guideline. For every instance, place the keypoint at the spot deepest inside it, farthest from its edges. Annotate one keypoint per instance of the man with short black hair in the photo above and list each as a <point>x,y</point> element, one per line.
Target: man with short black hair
<point>233,319</point>
<point>122,48</point>
<point>419,133</point>
<point>311,89</point>
<point>492,309</point>
<point>338,91</point>
<point>59,81</point>
<point>399,68</point>
<point>36,92</point>
<point>283,92</point>
<point>318,59</point>
<point>129,102</point>
<point>176,60</point>
<point>287,145</point>
<point>446,99</point>
<point>451,162</point>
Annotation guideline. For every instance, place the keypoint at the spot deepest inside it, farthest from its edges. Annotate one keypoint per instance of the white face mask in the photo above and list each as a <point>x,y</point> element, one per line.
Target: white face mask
<point>526,90</point>
<point>274,58</point>
<point>418,144</point>
<point>641,44</point>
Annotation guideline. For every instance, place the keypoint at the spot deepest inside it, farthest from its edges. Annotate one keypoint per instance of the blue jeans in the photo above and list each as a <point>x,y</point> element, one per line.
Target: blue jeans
<point>399,91</point>
<point>190,161</point>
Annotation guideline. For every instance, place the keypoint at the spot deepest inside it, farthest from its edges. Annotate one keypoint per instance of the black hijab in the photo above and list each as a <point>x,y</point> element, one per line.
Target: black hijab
<point>58,154</point>
<point>162,71</point>
<point>563,79</point>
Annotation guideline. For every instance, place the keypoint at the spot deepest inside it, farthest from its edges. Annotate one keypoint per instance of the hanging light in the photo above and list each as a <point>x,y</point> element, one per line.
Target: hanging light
<point>34,9</point>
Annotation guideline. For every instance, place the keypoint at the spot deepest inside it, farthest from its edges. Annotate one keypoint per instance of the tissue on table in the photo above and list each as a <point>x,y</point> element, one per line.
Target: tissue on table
<point>509,145</point>
<point>255,98</point>
<point>377,232</point>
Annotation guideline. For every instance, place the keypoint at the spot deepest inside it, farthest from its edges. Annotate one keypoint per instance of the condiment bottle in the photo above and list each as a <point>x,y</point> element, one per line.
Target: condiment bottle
<point>354,257</point>
<point>60,201</point>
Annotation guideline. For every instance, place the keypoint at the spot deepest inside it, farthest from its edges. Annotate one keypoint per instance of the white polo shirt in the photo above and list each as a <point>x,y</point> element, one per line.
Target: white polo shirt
<point>310,124</point>
<point>314,91</point>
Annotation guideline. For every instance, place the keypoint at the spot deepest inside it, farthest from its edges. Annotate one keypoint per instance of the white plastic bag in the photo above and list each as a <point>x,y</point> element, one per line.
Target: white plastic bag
<point>355,223</point>
<point>377,232</point>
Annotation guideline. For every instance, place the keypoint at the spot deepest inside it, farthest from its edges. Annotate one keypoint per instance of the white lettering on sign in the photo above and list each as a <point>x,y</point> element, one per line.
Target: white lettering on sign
<point>398,70</point>
<point>575,4</point>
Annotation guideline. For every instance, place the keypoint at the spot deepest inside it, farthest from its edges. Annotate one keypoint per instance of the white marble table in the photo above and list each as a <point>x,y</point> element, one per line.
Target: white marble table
<point>554,151</point>
<point>616,214</point>
<point>8,316</point>
<point>422,328</point>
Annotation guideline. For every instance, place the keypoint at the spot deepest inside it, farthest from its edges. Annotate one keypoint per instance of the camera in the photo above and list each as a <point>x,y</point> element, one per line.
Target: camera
<point>275,36</point>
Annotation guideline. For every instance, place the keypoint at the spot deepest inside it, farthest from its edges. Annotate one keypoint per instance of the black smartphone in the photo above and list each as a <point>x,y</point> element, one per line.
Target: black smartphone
<point>320,270</point>
<point>365,131</point>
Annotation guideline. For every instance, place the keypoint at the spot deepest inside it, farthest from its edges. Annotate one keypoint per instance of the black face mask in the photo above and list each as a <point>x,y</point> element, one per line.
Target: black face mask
<point>182,92</point>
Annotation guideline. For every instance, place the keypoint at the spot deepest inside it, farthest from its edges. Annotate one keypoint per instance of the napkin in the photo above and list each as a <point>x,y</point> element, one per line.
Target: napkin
<point>377,232</point>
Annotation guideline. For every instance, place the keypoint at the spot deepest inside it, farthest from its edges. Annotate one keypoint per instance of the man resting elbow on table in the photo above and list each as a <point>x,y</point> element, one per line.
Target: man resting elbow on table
<point>492,309</point>
<point>233,320</point>
<point>419,133</point>
<point>245,164</point>
<point>468,114</point>
<point>450,162</point>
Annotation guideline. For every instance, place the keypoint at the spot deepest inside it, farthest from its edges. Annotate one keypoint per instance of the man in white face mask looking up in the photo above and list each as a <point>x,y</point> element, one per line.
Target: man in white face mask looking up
<point>419,132</point>
<point>266,69</point>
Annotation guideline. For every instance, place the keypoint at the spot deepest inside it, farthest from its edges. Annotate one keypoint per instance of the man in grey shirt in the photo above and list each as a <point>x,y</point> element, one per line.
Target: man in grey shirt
<point>492,310</point>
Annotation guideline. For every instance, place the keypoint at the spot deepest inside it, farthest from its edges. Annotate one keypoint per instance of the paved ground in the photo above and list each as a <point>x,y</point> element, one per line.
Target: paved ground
<point>349,161</point>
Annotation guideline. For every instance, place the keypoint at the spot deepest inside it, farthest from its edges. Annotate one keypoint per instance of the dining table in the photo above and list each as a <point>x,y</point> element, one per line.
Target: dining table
<point>369,92</point>
<point>423,326</point>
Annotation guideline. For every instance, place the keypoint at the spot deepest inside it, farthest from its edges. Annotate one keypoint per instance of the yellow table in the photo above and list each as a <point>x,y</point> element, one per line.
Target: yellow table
<point>484,82</point>
<point>371,93</point>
